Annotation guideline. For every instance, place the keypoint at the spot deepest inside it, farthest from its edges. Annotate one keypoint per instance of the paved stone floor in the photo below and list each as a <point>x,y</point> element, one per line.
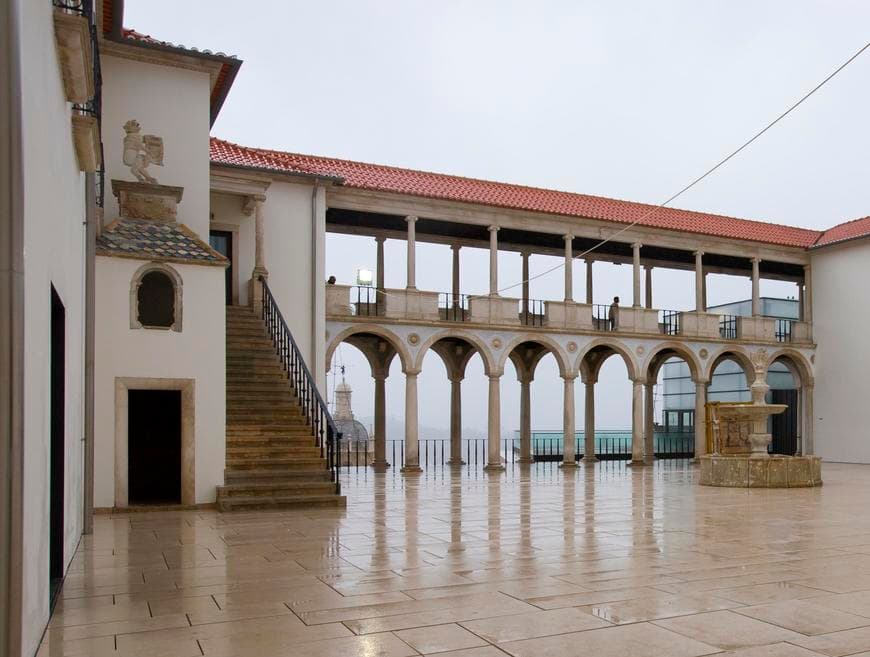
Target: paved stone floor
<point>610,561</point>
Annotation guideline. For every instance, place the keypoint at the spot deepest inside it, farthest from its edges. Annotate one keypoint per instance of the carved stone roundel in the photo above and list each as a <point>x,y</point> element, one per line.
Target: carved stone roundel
<point>413,338</point>
<point>496,343</point>
<point>572,347</point>
<point>703,353</point>
<point>640,351</point>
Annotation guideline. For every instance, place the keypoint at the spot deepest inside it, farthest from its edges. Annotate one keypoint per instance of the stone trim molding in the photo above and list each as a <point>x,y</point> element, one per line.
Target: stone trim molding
<point>177,284</point>
<point>188,434</point>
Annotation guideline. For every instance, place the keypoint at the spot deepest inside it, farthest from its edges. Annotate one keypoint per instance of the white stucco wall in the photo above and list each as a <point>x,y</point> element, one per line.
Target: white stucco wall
<point>841,315</point>
<point>197,352</point>
<point>294,222</point>
<point>54,212</point>
<point>171,103</point>
<point>226,210</point>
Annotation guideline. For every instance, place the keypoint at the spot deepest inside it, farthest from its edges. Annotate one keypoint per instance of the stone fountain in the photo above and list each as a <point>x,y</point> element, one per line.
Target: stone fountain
<point>740,441</point>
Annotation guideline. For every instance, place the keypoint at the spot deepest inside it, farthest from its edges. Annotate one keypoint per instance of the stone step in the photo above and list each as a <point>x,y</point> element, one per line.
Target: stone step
<point>301,463</point>
<point>272,451</point>
<point>251,430</point>
<point>277,474</point>
<point>277,487</point>
<point>266,418</point>
<point>266,503</point>
<point>243,348</point>
<point>237,445</point>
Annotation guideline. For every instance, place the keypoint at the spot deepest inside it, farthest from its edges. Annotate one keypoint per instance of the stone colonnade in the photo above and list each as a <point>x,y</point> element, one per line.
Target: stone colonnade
<point>456,348</point>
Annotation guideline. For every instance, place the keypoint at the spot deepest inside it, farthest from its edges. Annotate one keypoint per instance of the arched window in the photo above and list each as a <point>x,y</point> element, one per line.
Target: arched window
<point>155,298</point>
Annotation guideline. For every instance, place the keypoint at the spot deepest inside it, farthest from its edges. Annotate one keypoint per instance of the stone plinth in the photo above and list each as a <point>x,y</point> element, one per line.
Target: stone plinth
<point>137,200</point>
<point>743,471</point>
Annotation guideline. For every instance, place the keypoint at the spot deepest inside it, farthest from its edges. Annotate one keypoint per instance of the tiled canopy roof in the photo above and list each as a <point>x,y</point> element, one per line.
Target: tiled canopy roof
<point>152,240</point>
<point>843,232</point>
<point>469,190</point>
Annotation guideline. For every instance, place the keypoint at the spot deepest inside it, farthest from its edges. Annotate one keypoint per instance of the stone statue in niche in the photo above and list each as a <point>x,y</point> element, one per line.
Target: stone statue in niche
<point>140,151</point>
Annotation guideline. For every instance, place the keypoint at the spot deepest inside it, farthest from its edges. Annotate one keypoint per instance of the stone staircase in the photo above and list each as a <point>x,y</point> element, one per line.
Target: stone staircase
<point>272,460</point>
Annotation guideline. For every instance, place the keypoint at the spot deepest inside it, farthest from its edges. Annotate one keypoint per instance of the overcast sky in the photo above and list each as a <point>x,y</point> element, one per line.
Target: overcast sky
<point>629,100</point>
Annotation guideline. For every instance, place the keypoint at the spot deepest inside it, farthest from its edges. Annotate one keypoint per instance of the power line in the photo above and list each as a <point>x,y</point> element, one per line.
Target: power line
<point>703,175</point>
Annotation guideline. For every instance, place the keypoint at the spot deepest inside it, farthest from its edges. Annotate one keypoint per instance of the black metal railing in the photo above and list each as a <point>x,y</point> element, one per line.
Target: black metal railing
<point>532,312</point>
<point>314,408</point>
<point>453,307</point>
<point>782,330</point>
<point>94,106</point>
<point>601,318</point>
<point>364,300</point>
<point>669,322</point>
<point>546,447</point>
<point>728,327</point>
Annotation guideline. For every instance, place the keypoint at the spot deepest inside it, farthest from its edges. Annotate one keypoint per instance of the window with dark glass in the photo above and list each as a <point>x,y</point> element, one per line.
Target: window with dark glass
<point>156,300</point>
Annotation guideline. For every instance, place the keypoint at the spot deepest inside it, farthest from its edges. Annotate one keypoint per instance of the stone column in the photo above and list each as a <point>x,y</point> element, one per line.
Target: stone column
<point>412,255</point>
<point>569,432</point>
<point>455,248</point>
<point>589,281</point>
<point>637,422</point>
<point>700,418</point>
<point>569,268</point>
<point>808,293</point>
<point>807,443</point>
<point>589,423</point>
<point>412,445</point>
<point>493,442</point>
<point>525,275</point>
<point>699,282</point>
<point>635,248</point>
<point>648,285</point>
<point>380,437</point>
<point>381,281</point>
<point>649,451</point>
<point>756,288</point>
<point>260,270</point>
<point>493,260</point>
<point>525,420</point>
<point>456,422</point>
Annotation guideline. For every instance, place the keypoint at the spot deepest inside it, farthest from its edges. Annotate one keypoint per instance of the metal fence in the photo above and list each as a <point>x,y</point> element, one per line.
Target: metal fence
<point>669,322</point>
<point>532,312</point>
<point>728,327</point>
<point>782,330</point>
<point>601,319</point>
<point>364,301</point>
<point>453,307</point>
<point>546,447</point>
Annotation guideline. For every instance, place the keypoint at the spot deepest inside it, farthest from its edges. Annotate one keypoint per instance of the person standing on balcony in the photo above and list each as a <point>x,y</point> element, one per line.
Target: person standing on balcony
<point>614,314</point>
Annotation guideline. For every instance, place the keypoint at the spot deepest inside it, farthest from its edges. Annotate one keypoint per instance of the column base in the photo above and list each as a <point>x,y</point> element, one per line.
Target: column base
<point>411,469</point>
<point>525,460</point>
<point>380,466</point>
<point>456,462</point>
<point>493,467</point>
<point>637,462</point>
<point>590,460</point>
<point>568,465</point>
<point>649,460</point>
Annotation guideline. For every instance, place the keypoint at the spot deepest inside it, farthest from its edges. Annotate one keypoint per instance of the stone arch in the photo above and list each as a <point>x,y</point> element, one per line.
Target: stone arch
<point>489,363</point>
<point>548,344</point>
<point>796,362</point>
<point>659,354</point>
<point>739,356</point>
<point>178,289</point>
<point>581,365</point>
<point>394,341</point>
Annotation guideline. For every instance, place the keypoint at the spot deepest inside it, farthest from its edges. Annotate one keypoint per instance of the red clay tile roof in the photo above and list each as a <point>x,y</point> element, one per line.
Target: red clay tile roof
<point>378,177</point>
<point>843,232</point>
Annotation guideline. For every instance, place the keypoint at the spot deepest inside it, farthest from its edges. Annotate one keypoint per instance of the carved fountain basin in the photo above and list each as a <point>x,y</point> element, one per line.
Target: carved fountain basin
<point>740,458</point>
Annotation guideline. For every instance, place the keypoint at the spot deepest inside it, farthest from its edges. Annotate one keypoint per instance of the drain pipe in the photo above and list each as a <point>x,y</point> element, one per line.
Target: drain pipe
<point>91,212</point>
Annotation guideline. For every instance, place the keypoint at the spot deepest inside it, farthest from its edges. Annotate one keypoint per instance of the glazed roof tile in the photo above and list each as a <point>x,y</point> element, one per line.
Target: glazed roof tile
<point>152,240</point>
<point>378,177</point>
<point>847,231</point>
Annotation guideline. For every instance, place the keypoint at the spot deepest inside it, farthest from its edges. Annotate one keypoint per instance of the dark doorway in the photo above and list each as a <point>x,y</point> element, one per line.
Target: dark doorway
<point>784,427</point>
<point>222,242</point>
<point>57,448</point>
<point>154,446</point>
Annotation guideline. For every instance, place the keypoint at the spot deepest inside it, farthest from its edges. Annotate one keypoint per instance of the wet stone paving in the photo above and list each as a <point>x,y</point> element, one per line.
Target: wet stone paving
<point>604,560</point>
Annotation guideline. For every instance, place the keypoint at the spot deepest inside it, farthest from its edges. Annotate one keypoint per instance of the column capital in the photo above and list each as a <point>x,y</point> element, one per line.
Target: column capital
<point>380,376</point>
<point>493,229</point>
<point>755,260</point>
<point>698,254</point>
<point>700,382</point>
<point>410,372</point>
<point>380,238</point>
<point>636,245</point>
<point>808,267</point>
<point>251,203</point>
<point>456,379</point>
<point>568,377</point>
<point>494,376</point>
<point>639,381</point>
<point>648,267</point>
<point>568,237</point>
<point>589,380</point>
<point>456,246</point>
<point>411,218</point>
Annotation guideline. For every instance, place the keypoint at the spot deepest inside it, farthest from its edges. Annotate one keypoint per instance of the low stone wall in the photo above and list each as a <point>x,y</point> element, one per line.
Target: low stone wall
<point>744,471</point>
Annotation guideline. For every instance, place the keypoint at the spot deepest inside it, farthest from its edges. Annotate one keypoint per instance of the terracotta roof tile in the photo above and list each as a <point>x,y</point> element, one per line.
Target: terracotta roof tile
<point>152,240</point>
<point>847,231</point>
<point>378,177</point>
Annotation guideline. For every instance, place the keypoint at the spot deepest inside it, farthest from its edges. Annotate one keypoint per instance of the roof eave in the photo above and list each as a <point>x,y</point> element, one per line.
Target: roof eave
<point>337,180</point>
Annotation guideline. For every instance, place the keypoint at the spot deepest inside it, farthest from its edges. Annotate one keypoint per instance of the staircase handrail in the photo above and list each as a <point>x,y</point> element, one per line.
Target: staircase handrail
<point>326,433</point>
